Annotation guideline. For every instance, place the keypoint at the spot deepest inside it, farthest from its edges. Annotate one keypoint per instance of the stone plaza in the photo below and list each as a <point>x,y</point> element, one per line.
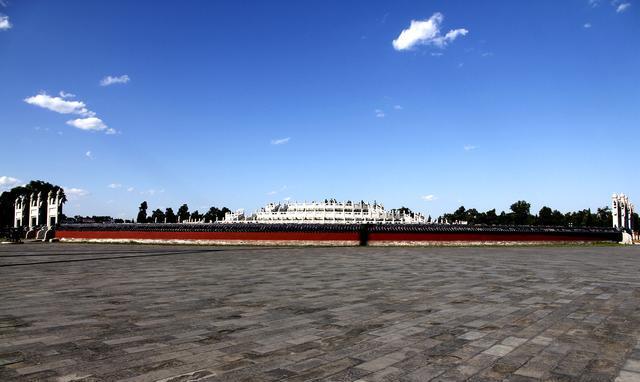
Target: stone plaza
<point>91,312</point>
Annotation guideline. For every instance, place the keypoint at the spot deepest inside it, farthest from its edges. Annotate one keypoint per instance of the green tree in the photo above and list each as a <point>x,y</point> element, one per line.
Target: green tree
<point>142,213</point>
<point>545,216</point>
<point>195,215</point>
<point>604,217</point>
<point>157,216</point>
<point>170,215</point>
<point>521,212</point>
<point>183,213</point>
<point>212,214</point>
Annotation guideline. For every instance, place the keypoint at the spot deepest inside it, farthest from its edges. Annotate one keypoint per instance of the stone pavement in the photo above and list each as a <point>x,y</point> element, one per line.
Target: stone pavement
<point>71,312</point>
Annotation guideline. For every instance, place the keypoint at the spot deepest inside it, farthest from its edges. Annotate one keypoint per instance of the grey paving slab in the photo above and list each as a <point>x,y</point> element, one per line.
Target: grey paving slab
<point>80,312</point>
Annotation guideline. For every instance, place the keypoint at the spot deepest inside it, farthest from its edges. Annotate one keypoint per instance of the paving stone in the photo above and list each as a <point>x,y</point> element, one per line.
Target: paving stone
<point>177,314</point>
<point>498,350</point>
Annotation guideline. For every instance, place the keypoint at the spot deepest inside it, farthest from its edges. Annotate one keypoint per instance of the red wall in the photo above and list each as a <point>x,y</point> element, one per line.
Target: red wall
<point>323,236</point>
<point>181,235</point>
<point>473,236</point>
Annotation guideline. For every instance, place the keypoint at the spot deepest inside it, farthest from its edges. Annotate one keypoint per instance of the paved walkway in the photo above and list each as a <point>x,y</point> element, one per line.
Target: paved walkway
<point>153,313</point>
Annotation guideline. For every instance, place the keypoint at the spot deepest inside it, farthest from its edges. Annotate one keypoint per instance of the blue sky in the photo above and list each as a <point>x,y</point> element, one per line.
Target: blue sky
<point>239,103</point>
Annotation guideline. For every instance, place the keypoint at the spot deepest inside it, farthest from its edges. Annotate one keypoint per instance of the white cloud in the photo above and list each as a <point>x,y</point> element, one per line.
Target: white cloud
<point>429,198</point>
<point>623,7</point>
<point>63,106</point>
<point>437,54</point>
<point>587,25</point>
<point>130,189</point>
<point>287,198</point>
<point>594,3</point>
<point>280,141</point>
<point>4,23</point>
<point>88,124</point>
<point>398,107</point>
<point>470,147</point>
<point>114,185</point>
<point>426,32</point>
<point>379,113</point>
<point>8,181</point>
<point>75,193</point>
<point>59,105</point>
<point>66,95</point>
<point>89,155</point>
<point>91,124</point>
<point>109,80</point>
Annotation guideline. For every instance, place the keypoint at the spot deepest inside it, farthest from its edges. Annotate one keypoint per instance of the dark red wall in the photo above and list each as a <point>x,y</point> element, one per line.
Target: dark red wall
<point>257,236</point>
<point>476,236</point>
<point>326,236</point>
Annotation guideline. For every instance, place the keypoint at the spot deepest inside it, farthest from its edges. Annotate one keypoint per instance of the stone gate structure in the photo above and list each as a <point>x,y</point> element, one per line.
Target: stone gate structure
<point>38,214</point>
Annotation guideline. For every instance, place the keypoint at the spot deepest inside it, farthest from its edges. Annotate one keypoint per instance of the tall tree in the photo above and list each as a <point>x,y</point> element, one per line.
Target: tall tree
<point>545,216</point>
<point>183,213</point>
<point>142,213</point>
<point>157,216</point>
<point>195,215</point>
<point>170,215</point>
<point>521,212</point>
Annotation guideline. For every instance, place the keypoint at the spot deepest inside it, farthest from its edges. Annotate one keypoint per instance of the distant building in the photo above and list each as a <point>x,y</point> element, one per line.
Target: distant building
<point>327,212</point>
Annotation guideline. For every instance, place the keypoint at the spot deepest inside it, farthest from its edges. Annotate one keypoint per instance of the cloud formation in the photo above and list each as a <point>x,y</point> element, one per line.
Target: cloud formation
<point>426,32</point>
<point>109,80</point>
<point>470,147</point>
<point>280,141</point>
<point>114,185</point>
<point>622,7</point>
<point>89,155</point>
<point>5,24</point>
<point>61,104</point>
<point>66,95</point>
<point>379,113</point>
<point>8,181</point>
<point>429,198</point>
<point>90,124</point>
<point>75,193</point>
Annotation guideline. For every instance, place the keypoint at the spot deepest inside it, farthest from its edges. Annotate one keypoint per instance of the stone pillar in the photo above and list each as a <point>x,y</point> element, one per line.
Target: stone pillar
<point>615,210</point>
<point>54,208</point>
<point>19,204</point>
<point>35,209</point>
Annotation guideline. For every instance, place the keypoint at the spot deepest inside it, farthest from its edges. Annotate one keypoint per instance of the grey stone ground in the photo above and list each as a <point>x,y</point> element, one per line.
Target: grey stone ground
<point>147,313</point>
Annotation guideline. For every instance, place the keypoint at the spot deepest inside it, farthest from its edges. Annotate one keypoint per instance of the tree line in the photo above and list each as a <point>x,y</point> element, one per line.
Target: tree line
<point>183,214</point>
<point>520,214</point>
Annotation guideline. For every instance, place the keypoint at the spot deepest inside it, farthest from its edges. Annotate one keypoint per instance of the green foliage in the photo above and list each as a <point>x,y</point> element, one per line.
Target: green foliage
<point>520,215</point>
<point>215,214</point>
<point>170,215</point>
<point>157,216</point>
<point>142,213</point>
<point>183,212</point>
<point>195,215</point>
